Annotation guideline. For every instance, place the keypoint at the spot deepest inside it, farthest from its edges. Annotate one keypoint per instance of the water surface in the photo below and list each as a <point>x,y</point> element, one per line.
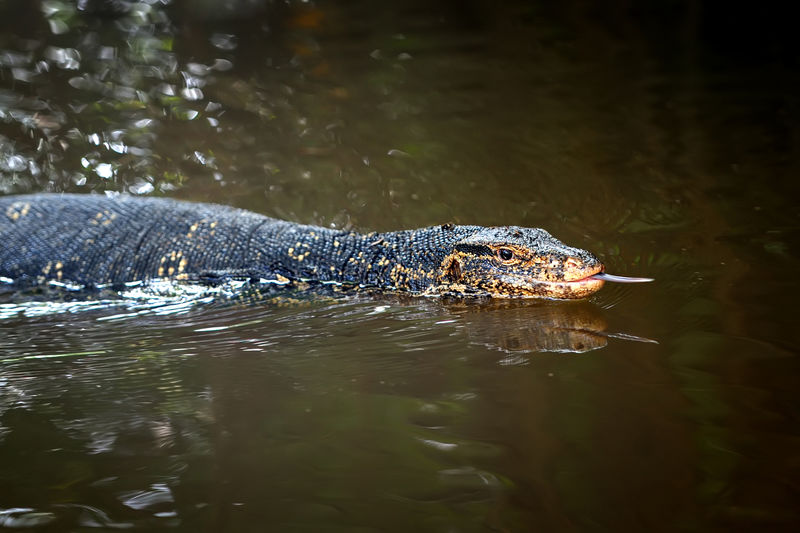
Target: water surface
<point>657,137</point>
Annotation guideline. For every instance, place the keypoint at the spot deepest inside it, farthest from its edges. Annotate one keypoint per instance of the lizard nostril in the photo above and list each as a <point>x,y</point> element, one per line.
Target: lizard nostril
<point>572,263</point>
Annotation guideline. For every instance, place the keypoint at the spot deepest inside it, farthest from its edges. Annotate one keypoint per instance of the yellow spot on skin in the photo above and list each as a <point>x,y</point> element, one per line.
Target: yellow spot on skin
<point>213,225</point>
<point>161,272</point>
<point>17,210</point>
<point>59,265</point>
<point>291,251</point>
<point>300,257</point>
<point>163,259</point>
<point>171,271</point>
<point>182,264</point>
<point>335,244</point>
<point>282,279</point>
<point>109,218</point>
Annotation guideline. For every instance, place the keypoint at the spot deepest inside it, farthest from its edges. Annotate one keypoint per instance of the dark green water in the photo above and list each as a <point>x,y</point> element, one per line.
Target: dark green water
<point>665,138</point>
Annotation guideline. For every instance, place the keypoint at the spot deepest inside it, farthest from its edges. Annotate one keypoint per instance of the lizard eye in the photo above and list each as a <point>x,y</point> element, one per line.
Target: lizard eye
<point>504,254</point>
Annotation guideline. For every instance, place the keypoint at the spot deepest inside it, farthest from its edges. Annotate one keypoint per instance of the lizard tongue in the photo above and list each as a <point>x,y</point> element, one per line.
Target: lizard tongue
<point>619,279</point>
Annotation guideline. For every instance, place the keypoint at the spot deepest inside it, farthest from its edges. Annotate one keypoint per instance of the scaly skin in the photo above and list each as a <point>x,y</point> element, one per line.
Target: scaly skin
<point>96,240</point>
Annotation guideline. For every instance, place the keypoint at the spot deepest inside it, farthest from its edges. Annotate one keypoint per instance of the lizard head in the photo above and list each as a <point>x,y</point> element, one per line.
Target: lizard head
<point>514,262</point>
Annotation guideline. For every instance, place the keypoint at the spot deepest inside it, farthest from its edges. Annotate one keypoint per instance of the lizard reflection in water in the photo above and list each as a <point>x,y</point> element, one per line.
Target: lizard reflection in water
<point>525,327</point>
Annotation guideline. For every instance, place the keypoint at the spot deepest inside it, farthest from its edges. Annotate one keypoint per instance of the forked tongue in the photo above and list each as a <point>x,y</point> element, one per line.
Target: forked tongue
<point>619,279</point>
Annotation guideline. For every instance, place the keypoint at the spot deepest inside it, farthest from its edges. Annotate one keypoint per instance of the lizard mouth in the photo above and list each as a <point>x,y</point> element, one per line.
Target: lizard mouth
<point>521,286</point>
<point>582,287</point>
<point>530,287</point>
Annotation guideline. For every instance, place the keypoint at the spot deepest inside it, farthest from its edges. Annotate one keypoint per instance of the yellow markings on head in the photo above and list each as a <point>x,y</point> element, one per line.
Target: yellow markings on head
<point>18,210</point>
<point>525,274</point>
